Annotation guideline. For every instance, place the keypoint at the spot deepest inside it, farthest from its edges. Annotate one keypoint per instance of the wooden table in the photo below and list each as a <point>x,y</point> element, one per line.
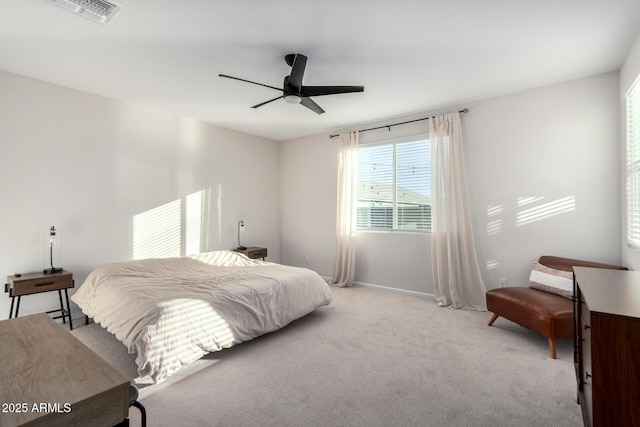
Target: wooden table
<point>49,378</point>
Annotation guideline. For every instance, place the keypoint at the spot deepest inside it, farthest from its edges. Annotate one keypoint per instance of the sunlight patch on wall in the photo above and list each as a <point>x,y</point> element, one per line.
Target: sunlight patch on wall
<point>492,264</point>
<point>156,232</point>
<point>174,229</point>
<point>219,213</point>
<point>494,226</point>
<point>494,210</point>
<point>522,201</point>
<point>193,225</point>
<point>545,210</point>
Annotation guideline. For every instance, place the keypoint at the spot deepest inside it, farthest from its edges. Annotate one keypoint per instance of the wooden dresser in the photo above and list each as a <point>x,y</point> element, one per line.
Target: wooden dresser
<point>607,345</point>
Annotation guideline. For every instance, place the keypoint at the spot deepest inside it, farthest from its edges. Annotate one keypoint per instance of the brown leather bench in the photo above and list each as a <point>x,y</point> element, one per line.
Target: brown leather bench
<point>548,314</point>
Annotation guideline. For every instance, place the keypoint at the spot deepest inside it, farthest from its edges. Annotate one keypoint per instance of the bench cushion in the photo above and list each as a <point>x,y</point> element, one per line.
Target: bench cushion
<point>542,312</point>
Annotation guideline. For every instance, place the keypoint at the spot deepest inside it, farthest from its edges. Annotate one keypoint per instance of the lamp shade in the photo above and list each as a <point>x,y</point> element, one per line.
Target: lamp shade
<point>53,241</point>
<point>240,230</point>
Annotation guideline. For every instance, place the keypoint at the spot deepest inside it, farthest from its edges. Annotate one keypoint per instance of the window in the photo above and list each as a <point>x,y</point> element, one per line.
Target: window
<point>633,165</point>
<point>394,186</point>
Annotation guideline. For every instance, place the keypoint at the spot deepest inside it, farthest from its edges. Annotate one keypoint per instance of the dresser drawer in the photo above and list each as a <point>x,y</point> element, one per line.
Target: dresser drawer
<point>31,284</point>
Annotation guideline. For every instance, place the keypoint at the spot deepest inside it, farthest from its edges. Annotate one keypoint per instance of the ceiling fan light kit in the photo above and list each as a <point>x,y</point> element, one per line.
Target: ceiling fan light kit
<point>293,99</point>
<point>294,92</point>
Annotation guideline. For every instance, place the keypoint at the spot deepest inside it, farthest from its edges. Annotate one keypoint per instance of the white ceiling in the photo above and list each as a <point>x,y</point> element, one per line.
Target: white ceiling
<point>411,55</point>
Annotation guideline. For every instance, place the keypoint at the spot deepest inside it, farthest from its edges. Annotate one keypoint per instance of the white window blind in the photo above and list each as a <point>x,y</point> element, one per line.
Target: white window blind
<point>413,184</point>
<point>633,165</point>
<point>394,186</point>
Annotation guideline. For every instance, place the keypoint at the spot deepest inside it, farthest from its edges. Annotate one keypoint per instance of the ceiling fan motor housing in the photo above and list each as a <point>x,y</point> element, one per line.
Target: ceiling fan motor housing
<point>290,94</point>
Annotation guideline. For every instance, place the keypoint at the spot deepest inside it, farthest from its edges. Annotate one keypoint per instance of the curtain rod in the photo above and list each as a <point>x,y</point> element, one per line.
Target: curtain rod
<point>466,110</point>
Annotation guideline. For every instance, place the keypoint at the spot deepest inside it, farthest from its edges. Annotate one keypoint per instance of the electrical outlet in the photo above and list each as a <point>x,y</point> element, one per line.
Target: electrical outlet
<point>502,282</point>
<point>306,259</point>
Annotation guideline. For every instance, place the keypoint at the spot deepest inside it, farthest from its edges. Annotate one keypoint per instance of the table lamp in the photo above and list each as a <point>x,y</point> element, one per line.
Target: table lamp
<point>53,240</point>
<point>240,230</point>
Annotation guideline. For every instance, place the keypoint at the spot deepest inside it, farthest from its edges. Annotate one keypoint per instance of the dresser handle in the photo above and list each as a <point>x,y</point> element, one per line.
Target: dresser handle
<point>586,327</point>
<point>45,284</point>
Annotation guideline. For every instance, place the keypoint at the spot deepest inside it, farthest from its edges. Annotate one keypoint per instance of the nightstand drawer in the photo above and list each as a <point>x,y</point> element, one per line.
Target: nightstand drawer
<point>258,253</point>
<point>35,283</point>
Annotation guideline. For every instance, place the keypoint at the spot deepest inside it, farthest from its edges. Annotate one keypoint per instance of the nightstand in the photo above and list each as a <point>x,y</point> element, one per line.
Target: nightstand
<point>253,252</point>
<point>35,283</point>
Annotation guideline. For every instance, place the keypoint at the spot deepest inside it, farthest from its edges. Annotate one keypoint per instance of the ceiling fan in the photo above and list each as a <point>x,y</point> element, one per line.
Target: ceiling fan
<point>294,92</point>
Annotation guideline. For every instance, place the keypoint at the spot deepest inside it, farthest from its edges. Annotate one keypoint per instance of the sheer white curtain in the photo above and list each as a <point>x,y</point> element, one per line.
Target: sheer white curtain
<point>456,273</point>
<point>344,266</point>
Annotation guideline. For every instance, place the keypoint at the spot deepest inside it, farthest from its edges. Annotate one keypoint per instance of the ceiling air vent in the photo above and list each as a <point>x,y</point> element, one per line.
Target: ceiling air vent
<point>100,11</point>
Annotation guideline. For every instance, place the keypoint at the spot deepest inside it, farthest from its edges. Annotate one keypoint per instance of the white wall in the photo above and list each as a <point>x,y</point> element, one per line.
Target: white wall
<point>628,74</point>
<point>543,170</point>
<point>94,167</point>
<point>543,176</point>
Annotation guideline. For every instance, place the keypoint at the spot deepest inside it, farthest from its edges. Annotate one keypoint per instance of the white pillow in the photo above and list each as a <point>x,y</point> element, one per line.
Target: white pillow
<point>550,280</point>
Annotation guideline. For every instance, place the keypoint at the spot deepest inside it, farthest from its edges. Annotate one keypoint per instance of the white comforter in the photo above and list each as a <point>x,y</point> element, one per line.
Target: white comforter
<point>173,311</point>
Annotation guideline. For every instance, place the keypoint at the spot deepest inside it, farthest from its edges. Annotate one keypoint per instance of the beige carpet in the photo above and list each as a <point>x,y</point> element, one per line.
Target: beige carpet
<point>369,359</point>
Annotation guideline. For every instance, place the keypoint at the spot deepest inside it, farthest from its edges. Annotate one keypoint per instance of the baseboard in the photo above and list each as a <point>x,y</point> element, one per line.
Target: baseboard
<point>389,289</point>
<point>395,290</point>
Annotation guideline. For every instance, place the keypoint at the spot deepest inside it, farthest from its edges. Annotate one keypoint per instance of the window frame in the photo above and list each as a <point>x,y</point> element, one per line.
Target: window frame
<point>632,165</point>
<point>394,142</point>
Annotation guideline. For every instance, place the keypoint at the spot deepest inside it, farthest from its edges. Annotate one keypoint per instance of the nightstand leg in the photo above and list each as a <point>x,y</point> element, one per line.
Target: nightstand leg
<point>66,295</point>
<point>18,306</point>
<point>11,310</point>
<point>61,306</point>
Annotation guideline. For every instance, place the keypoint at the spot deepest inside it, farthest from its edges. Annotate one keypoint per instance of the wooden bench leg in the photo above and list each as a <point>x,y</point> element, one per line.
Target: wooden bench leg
<point>552,347</point>
<point>493,319</point>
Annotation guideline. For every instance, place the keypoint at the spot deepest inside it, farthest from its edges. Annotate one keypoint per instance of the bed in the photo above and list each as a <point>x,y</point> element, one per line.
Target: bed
<point>173,311</point>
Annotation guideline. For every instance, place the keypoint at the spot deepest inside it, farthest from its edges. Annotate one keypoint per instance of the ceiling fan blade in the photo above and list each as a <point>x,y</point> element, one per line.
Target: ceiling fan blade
<point>329,90</point>
<point>249,81</point>
<point>308,102</point>
<point>266,102</point>
<point>297,72</point>
<point>292,88</point>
